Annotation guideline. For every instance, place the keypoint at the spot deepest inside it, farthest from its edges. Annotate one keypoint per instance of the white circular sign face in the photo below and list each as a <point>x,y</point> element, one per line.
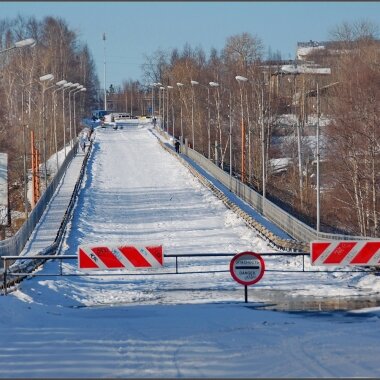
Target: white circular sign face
<point>247,268</point>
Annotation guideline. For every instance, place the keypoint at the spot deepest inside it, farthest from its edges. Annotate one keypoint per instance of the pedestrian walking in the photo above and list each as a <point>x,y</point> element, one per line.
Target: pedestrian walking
<point>82,141</point>
<point>177,145</point>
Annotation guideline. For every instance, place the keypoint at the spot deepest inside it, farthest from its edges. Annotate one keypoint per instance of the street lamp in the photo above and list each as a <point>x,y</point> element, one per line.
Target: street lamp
<point>241,79</point>
<point>105,86</point>
<point>44,79</point>
<point>74,87</point>
<point>152,106</point>
<point>179,85</point>
<point>318,161</point>
<point>65,87</point>
<point>193,83</point>
<point>263,147</point>
<point>79,89</point>
<point>216,85</point>
<point>20,44</point>
<point>24,144</point>
<point>154,85</point>
<point>170,88</point>
<point>167,109</point>
<point>230,117</point>
<point>60,85</point>
<point>162,88</point>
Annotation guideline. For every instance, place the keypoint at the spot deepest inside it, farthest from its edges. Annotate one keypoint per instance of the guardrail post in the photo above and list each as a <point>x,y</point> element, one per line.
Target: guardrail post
<point>176,264</point>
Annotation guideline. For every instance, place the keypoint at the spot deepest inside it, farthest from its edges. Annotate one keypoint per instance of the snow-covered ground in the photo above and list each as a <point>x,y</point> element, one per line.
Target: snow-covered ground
<point>188,325</point>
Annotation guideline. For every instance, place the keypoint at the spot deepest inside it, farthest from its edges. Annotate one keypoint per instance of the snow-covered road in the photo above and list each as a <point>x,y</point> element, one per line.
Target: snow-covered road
<point>192,325</point>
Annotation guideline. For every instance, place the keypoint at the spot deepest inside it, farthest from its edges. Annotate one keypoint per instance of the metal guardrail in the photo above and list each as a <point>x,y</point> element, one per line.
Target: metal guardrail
<point>281,218</point>
<point>16,243</point>
<point>34,261</point>
<point>176,268</point>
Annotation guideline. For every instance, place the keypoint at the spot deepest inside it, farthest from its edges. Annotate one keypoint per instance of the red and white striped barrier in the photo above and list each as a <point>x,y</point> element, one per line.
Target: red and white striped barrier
<point>360,252</point>
<point>112,256</point>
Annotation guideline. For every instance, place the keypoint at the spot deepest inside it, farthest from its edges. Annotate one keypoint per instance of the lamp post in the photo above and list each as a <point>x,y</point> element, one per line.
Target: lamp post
<point>65,87</point>
<point>263,147</point>
<point>216,85</point>
<point>162,88</point>
<point>155,84</point>
<point>208,120</point>
<point>79,89</point>
<point>241,80</point>
<point>179,84</point>
<point>44,79</point>
<point>230,117</point>
<point>20,44</point>
<point>105,87</point>
<point>152,106</point>
<point>74,87</point>
<point>193,83</point>
<point>24,158</point>
<point>60,85</point>
<point>23,125</point>
<point>167,109</point>
<point>158,84</point>
<point>172,107</point>
<point>318,160</point>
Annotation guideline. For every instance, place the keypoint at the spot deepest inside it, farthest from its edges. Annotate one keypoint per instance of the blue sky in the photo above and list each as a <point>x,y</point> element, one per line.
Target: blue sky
<point>136,29</point>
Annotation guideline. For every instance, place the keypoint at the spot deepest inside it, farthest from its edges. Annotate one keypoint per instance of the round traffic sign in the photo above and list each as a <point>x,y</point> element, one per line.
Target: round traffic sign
<point>247,268</point>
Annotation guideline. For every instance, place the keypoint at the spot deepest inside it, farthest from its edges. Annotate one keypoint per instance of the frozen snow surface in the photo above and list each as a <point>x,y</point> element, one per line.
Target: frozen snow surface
<point>187,325</point>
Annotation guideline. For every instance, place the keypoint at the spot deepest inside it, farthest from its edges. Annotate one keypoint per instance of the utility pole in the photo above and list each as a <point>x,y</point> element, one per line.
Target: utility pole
<point>105,88</point>
<point>318,160</point>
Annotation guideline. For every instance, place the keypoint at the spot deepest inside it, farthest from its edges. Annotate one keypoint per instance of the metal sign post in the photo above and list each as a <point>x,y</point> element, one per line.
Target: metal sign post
<point>247,268</point>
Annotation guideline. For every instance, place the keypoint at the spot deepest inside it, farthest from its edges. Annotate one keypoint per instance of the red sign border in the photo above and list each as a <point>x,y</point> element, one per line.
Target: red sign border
<point>257,256</point>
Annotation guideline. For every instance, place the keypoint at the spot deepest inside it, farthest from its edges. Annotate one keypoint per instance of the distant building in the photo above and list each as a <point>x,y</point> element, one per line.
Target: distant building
<point>307,49</point>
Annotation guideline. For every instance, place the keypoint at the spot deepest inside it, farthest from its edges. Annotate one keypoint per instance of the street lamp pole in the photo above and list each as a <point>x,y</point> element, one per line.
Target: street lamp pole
<point>230,117</point>
<point>79,89</point>
<point>208,119</point>
<point>152,106</point>
<point>60,87</point>
<point>162,88</point>
<point>170,88</point>
<point>74,87</point>
<point>193,83</point>
<point>105,88</point>
<point>241,79</point>
<point>24,158</point>
<point>25,153</point>
<point>318,161</point>
<point>20,44</point>
<point>263,146</point>
<point>44,79</point>
<point>216,85</point>
<point>180,100</point>
<point>65,87</point>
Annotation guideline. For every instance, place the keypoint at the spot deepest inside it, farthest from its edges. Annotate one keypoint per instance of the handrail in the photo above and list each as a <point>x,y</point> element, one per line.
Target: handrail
<point>18,276</point>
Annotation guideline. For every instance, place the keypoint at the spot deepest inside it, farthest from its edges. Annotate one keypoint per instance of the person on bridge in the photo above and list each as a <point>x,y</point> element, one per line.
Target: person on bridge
<point>82,141</point>
<point>177,145</point>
